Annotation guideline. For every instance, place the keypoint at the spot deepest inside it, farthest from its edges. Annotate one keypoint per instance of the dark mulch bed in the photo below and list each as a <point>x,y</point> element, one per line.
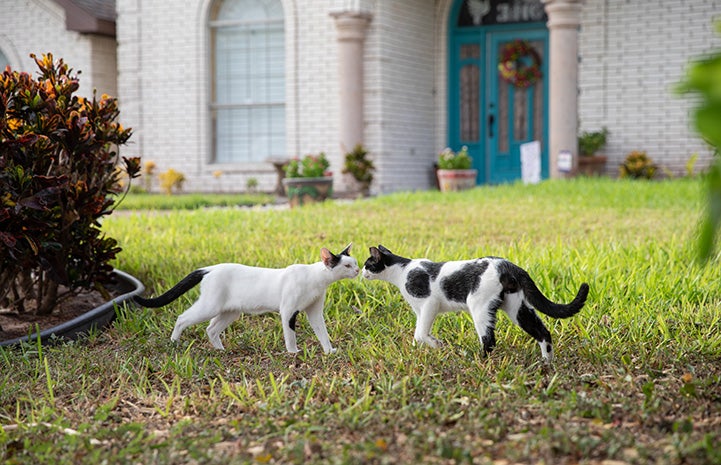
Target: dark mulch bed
<point>14,324</point>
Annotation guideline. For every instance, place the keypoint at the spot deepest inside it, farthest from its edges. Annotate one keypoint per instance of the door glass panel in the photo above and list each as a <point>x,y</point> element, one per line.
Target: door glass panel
<point>503,116</point>
<point>469,87</point>
<point>520,114</point>
<point>470,51</point>
<point>538,97</point>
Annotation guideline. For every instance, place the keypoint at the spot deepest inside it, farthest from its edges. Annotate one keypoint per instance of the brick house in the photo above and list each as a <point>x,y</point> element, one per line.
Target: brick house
<point>222,86</point>
<point>84,39</point>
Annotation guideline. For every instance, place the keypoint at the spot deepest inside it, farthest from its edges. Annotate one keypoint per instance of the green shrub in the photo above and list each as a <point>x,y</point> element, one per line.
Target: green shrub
<point>310,166</point>
<point>58,178</point>
<point>359,166</point>
<point>450,160</point>
<point>591,142</point>
<point>638,165</point>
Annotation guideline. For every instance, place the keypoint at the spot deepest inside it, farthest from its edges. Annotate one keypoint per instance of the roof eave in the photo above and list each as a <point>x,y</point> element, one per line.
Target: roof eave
<point>79,20</point>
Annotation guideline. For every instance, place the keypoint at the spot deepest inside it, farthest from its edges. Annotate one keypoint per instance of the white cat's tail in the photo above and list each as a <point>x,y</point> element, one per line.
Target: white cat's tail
<point>513,277</point>
<point>183,286</point>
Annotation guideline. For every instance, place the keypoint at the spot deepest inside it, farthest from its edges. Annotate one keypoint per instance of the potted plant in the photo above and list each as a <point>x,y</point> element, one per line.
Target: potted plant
<point>454,170</point>
<point>60,173</point>
<point>307,180</point>
<point>590,163</point>
<point>638,165</point>
<point>359,168</point>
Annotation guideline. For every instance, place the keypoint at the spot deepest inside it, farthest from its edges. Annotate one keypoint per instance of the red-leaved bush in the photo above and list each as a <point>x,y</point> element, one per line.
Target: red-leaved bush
<point>59,175</point>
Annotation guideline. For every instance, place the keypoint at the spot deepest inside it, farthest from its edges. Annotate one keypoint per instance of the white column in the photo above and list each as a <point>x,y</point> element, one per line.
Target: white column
<point>351,28</point>
<point>564,18</point>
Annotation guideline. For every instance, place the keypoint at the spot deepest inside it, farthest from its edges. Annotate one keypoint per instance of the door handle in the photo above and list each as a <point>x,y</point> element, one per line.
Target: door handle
<point>491,120</point>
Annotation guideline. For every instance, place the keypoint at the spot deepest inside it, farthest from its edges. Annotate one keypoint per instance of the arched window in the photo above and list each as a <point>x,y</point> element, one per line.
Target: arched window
<point>248,80</point>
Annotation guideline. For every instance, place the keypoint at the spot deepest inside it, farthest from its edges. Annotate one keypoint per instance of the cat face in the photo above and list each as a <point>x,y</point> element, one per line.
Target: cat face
<point>347,267</point>
<point>376,266</point>
<point>343,265</point>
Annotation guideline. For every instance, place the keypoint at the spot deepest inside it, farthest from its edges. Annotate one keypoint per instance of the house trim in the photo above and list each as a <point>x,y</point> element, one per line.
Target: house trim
<point>86,22</point>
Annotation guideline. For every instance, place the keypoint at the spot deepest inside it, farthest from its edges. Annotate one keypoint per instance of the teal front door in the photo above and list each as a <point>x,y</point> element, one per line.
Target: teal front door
<point>497,100</point>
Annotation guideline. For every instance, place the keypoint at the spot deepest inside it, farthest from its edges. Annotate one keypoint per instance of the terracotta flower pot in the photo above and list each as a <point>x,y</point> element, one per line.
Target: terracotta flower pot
<point>301,191</point>
<point>593,165</point>
<point>456,180</point>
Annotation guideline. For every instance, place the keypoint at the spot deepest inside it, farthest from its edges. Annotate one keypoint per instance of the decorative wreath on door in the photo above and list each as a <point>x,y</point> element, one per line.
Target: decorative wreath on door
<point>519,64</point>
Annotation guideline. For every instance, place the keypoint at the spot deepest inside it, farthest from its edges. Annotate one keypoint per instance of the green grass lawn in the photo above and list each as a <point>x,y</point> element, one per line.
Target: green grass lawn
<point>636,379</point>
<point>143,201</point>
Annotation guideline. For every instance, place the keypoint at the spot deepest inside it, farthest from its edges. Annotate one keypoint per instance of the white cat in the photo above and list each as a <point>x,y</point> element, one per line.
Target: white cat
<point>481,286</point>
<point>229,289</point>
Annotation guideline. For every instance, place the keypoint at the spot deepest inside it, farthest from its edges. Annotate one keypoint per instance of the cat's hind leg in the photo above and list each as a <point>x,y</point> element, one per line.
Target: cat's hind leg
<point>199,312</point>
<point>527,319</point>
<point>217,326</point>
<point>317,322</point>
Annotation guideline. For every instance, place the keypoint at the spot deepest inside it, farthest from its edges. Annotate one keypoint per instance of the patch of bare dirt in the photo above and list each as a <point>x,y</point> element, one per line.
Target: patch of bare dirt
<point>14,324</point>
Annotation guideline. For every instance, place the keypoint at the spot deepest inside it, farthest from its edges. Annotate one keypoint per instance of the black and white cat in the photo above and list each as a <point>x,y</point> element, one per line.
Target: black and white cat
<point>480,286</point>
<point>229,289</point>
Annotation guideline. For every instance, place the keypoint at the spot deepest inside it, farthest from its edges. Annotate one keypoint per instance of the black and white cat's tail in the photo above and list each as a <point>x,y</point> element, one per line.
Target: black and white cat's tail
<point>183,286</point>
<point>514,277</point>
<point>553,309</point>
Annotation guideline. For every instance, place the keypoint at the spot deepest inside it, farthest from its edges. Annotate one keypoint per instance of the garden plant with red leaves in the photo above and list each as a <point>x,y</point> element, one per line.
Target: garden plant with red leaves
<point>59,175</point>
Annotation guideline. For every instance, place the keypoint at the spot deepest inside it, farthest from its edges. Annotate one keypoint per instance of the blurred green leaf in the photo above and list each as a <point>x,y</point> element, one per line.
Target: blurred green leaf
<point>703,77</point>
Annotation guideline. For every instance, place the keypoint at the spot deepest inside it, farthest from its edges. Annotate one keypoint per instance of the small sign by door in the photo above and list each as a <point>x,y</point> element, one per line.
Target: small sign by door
<point>531,162</point>
<point>565,161</point>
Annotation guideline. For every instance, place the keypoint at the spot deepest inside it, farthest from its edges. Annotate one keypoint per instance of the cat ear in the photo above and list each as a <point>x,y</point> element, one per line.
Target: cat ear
<point>375,253</point>
<point>346,251</point>
<point>383,249</point>
<point>329,260</point>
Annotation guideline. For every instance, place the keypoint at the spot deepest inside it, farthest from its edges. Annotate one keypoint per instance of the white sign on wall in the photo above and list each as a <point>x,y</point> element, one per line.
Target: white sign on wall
<point>565,161</point>
<point>531,162</point>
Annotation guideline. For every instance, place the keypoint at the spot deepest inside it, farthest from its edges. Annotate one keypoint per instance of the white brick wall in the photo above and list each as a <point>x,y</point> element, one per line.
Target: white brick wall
<point>400,100</point>
<point>632,54</point>
<point>104,66</point>
<point>160,70</point>
<point>38,26</point>
<point>313,74</point>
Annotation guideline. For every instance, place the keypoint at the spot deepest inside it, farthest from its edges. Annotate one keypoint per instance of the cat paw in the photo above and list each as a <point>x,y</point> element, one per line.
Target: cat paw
<point>217,344</point>
<point>332,350</point>
<point>430,341</point>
